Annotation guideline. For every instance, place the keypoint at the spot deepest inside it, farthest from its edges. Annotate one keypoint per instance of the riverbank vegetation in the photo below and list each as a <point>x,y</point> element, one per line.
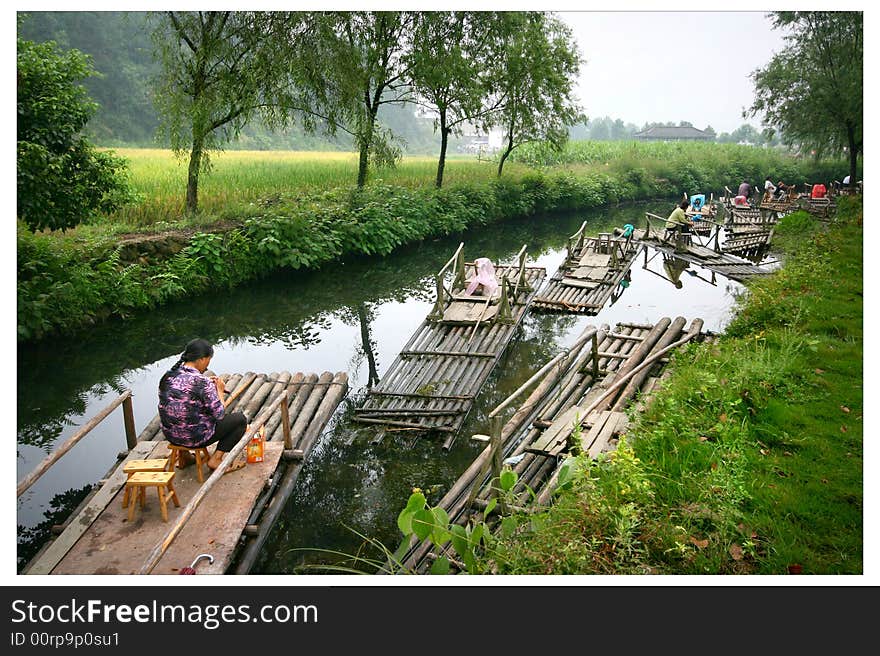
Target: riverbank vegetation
<point>303,213</point>
<point>749,460</point>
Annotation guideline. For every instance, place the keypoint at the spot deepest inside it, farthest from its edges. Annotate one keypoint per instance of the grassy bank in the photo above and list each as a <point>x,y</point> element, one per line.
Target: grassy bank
<point>749,460</point>
<point>284,210</point>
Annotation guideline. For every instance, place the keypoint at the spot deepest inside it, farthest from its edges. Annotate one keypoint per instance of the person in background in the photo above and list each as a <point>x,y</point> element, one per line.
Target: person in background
<point>769,190</point>
<point>677,220</point>
<point>818,191</point>
<point>781,191</point>
<point>191,407</point>
<point>846,182</point>
<point>745,189</point>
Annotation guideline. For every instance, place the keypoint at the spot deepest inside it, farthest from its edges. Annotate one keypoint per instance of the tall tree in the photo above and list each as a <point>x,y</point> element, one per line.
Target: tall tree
<point>356,64</point>
<point>62,178</point>
<point>219,69</point>
<point>812,90</point>
<point>537,66</point>
<point>449,64</point>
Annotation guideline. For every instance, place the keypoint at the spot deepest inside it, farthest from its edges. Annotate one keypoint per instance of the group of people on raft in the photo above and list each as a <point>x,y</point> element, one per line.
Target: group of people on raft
<point>781,192</point>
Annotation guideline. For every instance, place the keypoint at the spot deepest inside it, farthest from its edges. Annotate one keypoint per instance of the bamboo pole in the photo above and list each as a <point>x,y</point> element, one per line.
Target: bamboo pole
<point>128,419</point>
<point>53,457</point>
<point>544,496</point>
<point>276,504</point>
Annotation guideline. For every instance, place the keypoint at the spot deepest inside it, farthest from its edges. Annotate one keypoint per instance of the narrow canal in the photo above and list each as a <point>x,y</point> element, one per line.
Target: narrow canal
<point>353,316</point>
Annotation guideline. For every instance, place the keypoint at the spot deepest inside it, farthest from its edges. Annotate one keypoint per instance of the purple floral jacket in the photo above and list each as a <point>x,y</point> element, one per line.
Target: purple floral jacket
<point>189,407</point>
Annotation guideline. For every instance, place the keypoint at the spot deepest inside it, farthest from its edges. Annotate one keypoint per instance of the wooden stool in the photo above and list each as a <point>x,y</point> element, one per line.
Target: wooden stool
<point>200,452</point>
<point>132,466</point>
<point>162,481</point>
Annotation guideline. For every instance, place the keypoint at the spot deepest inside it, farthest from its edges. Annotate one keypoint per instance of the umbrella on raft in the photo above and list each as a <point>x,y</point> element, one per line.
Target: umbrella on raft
<point>192,568</point>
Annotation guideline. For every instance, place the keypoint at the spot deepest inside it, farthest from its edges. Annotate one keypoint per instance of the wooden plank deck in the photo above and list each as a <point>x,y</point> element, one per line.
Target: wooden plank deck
<point>99,539</point>
<point>113,545</point>
<point>432,383</point>
<point>588,276</point>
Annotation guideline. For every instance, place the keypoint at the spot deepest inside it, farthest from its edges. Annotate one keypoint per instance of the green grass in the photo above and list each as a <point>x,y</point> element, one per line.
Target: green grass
<point>239,178</point>
<point>749,460</point>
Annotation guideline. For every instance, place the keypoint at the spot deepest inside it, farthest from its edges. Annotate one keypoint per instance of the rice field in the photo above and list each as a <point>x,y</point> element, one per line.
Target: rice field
<point>240,177</point>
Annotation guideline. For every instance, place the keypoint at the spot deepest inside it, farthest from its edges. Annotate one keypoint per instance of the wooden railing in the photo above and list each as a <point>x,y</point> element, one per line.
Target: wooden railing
<point>130,438</point>
<point>560,362</point>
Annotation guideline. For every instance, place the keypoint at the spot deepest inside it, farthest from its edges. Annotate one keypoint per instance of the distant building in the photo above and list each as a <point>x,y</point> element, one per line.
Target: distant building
<point>481,142</point>
<point>674,134</point>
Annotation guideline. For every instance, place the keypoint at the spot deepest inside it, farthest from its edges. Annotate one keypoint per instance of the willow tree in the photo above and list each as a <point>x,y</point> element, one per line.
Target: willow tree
<point>812,90</point>
<point>219,69</point>
<point>450,60</point>
<point>354,65</point>
<point>534,81</point>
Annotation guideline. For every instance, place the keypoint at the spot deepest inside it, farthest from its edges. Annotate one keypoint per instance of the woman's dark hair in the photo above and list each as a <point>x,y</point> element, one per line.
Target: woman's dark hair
<point>197,348</point>
<point>684,204</point>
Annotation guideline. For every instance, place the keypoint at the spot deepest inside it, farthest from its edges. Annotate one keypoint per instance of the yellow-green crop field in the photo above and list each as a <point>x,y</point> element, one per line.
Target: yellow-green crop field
<point>239,177</point>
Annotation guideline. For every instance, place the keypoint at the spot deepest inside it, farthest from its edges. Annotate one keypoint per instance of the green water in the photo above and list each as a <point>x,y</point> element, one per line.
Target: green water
<point>353,316</point>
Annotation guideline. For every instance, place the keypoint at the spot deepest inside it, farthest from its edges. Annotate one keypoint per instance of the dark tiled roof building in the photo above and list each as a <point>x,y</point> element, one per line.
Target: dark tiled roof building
<point>674,134</point>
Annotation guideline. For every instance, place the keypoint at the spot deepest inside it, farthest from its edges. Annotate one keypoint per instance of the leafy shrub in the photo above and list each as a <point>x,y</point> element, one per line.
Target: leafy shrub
<point>62,179</point>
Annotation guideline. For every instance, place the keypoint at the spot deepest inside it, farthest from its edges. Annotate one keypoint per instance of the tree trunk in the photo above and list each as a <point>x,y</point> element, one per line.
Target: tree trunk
<point>504,156</point>
<point>444,141</point>
<point>853,155</point>
<point>192,180</point>
<point>365,142</point>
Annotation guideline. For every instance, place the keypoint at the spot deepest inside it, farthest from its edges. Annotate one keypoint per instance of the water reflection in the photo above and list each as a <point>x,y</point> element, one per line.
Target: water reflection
<point>353,316</point>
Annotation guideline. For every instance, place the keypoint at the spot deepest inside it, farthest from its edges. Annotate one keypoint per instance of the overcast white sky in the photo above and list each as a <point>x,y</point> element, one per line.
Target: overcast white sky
<point>672,65</point>
<point>645,61</point>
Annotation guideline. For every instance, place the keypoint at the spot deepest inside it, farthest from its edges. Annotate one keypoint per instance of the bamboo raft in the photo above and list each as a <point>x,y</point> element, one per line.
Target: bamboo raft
<point>228,517</point>
<point>823,208</point>
<point>590,273</point>
<point>590,384</point>
<point>690,250</point>
<point>748,216</point>
<point>433,381</point>
<point>779,207</point>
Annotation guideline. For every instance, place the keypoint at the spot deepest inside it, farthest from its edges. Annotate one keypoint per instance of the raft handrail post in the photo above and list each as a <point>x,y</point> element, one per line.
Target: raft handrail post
<point>458,279</point>
<point>439,304</point>
<point>595,349</point>
<point>521,275</point>
<point>495,446</point>
<point>504,314</point>
<point>128,420</point>
<point>580,235</point>
<point>285,420</point>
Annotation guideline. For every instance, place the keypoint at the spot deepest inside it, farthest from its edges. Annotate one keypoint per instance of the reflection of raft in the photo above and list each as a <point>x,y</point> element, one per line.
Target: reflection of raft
<point>687,249</point>
<point>589,275</point>
<point>432,383</point>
